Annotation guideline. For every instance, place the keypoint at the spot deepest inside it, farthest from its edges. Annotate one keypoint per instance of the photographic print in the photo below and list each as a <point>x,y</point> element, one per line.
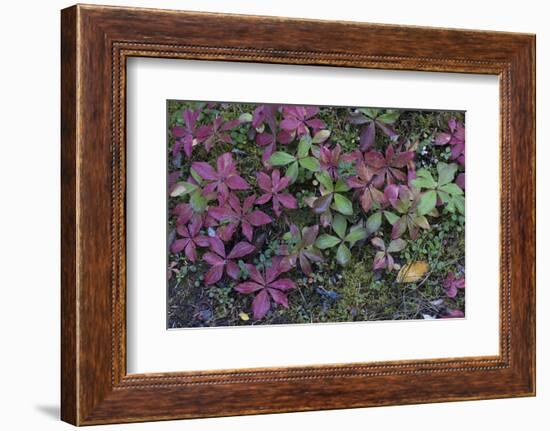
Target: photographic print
<point>298,214</point>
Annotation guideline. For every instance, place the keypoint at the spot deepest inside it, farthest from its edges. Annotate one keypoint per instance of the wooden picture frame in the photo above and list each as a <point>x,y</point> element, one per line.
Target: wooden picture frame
<point>95,43</point>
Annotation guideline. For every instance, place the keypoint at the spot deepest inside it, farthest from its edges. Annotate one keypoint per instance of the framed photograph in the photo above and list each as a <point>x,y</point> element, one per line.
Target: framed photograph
<point>264,215</point>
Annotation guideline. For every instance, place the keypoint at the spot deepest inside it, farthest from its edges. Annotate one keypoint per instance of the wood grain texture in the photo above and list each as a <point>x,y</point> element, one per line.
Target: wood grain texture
<point>96,41</point>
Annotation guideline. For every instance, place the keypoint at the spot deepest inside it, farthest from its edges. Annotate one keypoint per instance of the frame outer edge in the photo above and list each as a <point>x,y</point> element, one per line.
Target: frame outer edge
<point>88,397</point>
<point>69,196</point>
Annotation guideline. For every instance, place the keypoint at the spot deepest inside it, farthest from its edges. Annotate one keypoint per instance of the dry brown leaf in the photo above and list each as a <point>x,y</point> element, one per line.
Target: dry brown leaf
<point>412,272</point>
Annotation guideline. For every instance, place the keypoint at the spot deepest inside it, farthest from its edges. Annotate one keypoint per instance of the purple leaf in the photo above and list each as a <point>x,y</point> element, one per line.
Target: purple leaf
<point>283,284</point>
<point>289,124</point>
<point>255,274</point>
<point>241,249</point>
<point>205,171</point>
<point>235,182</point>
<point>227,231</point>
<point>263,199</point>
<point>461,181</point>
<point>247,230</point>
<point>222,213</point>
<point>288,201</point>
<point>310,234</point>
<point>322,203</point>
<point>261,305</point>
<point>213,259</point>
<point>232,269</point>
<point>214,274</point>
<point>258,218</point>
<point>217,246</point>
<point>367,137</point>
<point>191,251</point>
<point>248,287</point>
<point>264,182</point>
<point>279,297</point>
<point>179,244</point>
<point>442,138</point>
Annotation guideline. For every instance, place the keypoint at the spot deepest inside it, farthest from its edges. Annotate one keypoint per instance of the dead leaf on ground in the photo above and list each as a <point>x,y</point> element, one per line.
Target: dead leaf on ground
<point>412,272</point>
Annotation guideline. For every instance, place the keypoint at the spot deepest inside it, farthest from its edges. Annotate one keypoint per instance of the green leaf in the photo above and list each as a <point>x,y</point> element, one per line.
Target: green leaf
<point>339,225</point>
<point>427,202</point>
<point>421,221</point>
<point>391,217</point>
<point>445,197</point>
<point>245,118</point>
<point>389,117</point>
<point>424,180</point>
<point>198,201</point>
<point>196,176</point>
<point>374,222</point>
<point>310,163</point>
<point>341,186</point>
<point>325,180</point>
<point>183,188</point>
<point>446,173</point>
<point>321,136</point>
<point>280,158</point>
<point>452,189</point>
<point>460,204</point>
<point>343,255</point>
<point>370,112</point>
<point>396,245</point>
<point>292,172</point>
<point>325,241</point>
<point>303,146</point>
<point>356,233</point>
<point>342,204</point>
